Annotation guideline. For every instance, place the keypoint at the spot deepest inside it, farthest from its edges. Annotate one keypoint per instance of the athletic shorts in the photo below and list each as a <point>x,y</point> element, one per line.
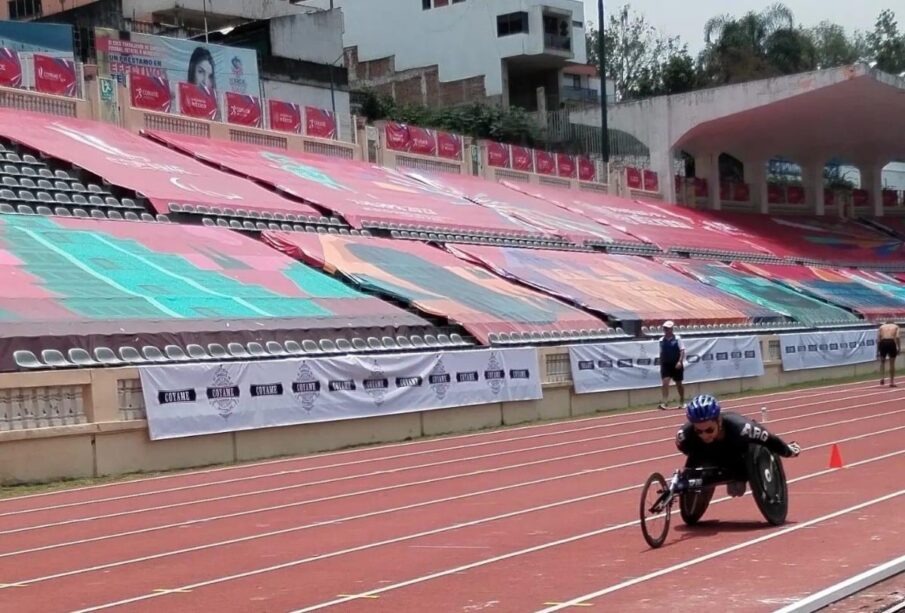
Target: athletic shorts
<point>887,348</point>
<point>671,372</point>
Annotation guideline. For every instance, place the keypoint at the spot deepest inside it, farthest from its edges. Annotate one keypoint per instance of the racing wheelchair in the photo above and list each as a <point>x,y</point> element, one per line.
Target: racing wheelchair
<point>693,489</point>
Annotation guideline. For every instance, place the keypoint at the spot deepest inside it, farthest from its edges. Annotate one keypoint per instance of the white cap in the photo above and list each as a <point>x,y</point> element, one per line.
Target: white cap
<point>669,324</point>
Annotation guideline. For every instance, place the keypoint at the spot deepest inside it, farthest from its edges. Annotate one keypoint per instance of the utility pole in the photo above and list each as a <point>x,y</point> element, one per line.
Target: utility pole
<point>601,53</point>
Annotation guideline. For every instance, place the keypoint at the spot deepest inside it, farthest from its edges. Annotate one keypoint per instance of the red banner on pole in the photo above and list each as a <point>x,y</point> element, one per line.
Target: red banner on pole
<point>319,123</point>
<point>10,68</point>
<point>55,75</point>
<point>890,197</point>
<point>776,194</point>
<point>423,141</point>
<point>244,110</point>
<point>587,170</point>
<point>544,162</point>
<point>795,194</point>
<point>151,93</point>
<point>285,116</point>
<point>397,136</point>
<point>651,181</point>
<point>449,146</point>
<point>633,178</point>
<point>565,165</point>
<point>522,159</point>
<point>197,101</point>
<point>860,197</point>
<point>741,192</point>
<point>498,155</point>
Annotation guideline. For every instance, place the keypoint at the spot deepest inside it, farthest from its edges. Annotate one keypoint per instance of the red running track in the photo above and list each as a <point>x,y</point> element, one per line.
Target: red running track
<point>535,518</point>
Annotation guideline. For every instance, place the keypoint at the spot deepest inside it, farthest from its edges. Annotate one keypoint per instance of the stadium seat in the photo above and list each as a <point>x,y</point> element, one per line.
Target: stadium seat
<point>293,348</point>
<point>431,340</point>
<point>24,209</point>
<point>327,345</point>
<point>310,346</point>
<point>218,352</point>
<point>130,216</point>
<point>26,360</point>
<point>115,215</point>
<point>175,353</point>
<point>196,352</point>
<point>457,339</point>
<point>275,349</point>
<point>153,354</point>
<point>130,355</point>
<point>147,217</point>
<point>256,350</point>
<point>444,340</point>
<point>417,341</point>
<point>55,359</point>
<point>375,344</point>
<point>105,356</point>
<point>7,208</point>
<point>96,214</point>
<point>80,357</point>
<point>389,342</point>
<point>359,344</point>
<point>344,346</point>
<point>237,350</point>
<point>403,342</point>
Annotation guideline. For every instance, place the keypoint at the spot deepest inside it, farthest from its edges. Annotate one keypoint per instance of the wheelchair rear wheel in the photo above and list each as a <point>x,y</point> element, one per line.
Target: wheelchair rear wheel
<point>768,485</point>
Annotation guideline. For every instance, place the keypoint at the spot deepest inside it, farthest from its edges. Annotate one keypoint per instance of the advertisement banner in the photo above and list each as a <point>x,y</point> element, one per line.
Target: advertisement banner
<point>522,159</point>
<point>449,146</point>
<point>565,165</point>
<point>55,75</point>
<point>198,101</point>
<point>544,163</point>
<point>587,170</point>
<point>10,68</point>
<point>498,155</point>
<point>397,136</point>
<point>423,141</point>
<point>151,93</point>
<point>216,67</point>
<point>803,350</point>
<point>320,123</point>
<point>651,181</point>
<point>196,399</point>
<point>633,178</point>
<point>244,110</point>
<point>636,364</point>
<point>285,116</point>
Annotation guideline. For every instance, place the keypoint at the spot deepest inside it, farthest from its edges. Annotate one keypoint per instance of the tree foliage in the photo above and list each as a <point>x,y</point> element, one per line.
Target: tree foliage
<point>887,44</point>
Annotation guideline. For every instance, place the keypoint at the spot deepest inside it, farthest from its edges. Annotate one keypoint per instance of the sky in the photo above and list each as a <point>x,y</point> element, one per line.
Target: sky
<point>686,18</point>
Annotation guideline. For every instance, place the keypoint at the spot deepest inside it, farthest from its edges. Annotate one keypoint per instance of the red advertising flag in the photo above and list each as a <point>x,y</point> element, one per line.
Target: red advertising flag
<point>498,155</point>
<point>890,197</point>
<point>701,189</point>
<point>587,170</point>
<point>449,146</point>
<point>54,75</point>
<point>285,116</point>
<point>10,68</point>
<point>397,136</point>
<point>776,194</point>
<point>633,178</point>
<point>522,159</point>
<point>244,110</point>
<point>795,194</point>
<point>741,192</point>
<point>565,165</point>
<point>544,162</point>
<point>860,197</point>
<point>319,123</point>
<point>151,93</point>
<point>651,181</point>
<point>198,101</point>
<point>424,141</point>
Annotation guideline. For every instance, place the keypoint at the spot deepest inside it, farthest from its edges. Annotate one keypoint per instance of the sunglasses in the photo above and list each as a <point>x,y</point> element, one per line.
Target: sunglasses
<point>709,430</point>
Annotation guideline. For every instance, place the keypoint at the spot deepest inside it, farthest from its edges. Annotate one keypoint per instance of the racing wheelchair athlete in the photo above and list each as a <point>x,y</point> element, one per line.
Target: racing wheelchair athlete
<point>720,448</point>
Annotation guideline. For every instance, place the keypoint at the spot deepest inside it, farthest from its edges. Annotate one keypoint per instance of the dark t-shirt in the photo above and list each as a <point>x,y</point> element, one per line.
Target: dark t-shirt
<point>739,433</point>
<point>670,350</point>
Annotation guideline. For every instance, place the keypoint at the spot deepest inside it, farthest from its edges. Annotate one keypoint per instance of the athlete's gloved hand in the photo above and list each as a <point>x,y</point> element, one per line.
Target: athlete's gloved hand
<point>793,449</point>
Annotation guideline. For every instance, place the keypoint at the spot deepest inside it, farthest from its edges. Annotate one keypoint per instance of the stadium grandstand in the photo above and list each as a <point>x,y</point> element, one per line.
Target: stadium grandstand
<point>180,290</point>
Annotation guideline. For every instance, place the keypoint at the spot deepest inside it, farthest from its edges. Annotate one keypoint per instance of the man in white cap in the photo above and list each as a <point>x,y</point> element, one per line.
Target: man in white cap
<point>672,363</point>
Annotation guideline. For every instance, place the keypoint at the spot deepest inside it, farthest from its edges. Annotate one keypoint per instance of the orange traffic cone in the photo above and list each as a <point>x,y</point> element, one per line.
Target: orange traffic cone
<point>835,457</point>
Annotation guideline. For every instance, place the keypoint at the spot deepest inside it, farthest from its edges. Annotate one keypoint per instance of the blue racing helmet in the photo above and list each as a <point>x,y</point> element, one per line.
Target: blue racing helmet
<point>703,407</point>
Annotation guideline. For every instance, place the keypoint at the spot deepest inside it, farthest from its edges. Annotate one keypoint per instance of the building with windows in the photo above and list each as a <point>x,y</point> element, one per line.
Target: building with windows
<point>449,52</point>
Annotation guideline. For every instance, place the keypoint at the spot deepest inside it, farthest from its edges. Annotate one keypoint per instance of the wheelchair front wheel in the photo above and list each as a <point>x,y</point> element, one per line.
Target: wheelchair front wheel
<point>694,504</point>
<point>656,508</point>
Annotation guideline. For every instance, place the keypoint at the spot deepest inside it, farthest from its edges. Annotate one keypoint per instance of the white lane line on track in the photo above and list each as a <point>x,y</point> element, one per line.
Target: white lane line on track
<point>826,390</point>
<point>662,417</point>
<point>424,504</point>
<point>82,520</point>
<point>374,513</point>
<point>721,552</point>
<point>447,572</point>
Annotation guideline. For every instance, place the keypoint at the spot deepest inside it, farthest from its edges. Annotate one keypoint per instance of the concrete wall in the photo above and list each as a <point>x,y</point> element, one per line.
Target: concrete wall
<point>246,9</point>
<point>313,37</point>
<point>461,39</point>
<point>118,447</point>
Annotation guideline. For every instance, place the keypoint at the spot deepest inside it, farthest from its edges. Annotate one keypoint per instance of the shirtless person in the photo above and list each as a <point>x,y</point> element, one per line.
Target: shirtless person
<point>888,347</point>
